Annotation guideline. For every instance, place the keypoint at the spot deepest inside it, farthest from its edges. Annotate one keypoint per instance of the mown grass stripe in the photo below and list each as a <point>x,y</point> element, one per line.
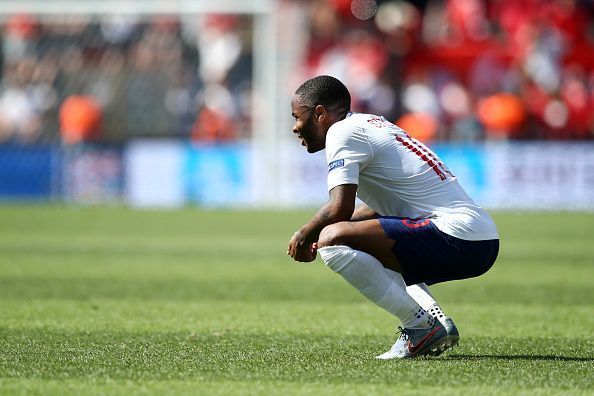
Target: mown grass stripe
<point>559,362</point>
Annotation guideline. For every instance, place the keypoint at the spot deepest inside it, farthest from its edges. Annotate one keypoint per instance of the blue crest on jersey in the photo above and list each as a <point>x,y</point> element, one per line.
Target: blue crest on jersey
<point>335,164</point>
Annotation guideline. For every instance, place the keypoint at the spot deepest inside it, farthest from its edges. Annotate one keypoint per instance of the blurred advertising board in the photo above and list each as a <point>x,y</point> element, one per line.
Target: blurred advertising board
<point>218,175</point>
<point>27,172</point>
<point>173,173</point>
<point>551,176</point>
<point>170,173</point>
<point>502,175</point>
<point>153,173</point>
<point>81,173</point>
<point>91,173</point>
<point>303,177</point>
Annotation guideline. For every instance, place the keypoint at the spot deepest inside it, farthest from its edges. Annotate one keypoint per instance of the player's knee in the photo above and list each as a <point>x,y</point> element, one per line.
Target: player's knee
<point>332,235</point>
<point>337,257</point>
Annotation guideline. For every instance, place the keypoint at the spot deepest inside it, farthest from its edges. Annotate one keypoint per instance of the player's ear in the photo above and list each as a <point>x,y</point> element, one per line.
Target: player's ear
<point>320,112</point>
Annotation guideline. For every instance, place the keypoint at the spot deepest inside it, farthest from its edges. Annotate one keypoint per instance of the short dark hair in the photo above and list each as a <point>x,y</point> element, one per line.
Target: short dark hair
<point>326,91</point>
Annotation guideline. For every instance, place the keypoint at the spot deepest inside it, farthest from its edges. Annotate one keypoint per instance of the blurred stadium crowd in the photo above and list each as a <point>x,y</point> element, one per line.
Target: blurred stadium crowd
<point>444,70</point>
<point>109,79</point>
<point>464,69</point>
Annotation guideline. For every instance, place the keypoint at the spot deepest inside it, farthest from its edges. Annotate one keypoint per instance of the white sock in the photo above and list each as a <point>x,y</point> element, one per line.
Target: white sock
<point>420,292</point>
<point>386,290</point>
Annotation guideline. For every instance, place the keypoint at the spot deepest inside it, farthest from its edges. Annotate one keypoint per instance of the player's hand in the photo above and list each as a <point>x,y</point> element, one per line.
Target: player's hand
<point>300,250</point>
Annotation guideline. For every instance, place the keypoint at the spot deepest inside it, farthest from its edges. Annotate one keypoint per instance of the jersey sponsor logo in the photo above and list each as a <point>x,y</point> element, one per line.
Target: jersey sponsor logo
<point>335,164</point>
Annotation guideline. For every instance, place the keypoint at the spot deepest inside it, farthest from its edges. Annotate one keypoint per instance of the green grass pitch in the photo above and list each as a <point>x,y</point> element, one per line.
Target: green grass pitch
<point>116,301</point>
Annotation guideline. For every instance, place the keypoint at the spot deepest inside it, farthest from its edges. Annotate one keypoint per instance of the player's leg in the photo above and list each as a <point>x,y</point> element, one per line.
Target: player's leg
<point>370,278</point>
<point>367,236</point>
<point>419,251</point>
<point>352,250</point>
<point>420,292</point>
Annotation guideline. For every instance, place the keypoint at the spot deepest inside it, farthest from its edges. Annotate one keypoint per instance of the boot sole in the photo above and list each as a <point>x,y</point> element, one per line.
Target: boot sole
<point>441,346</point>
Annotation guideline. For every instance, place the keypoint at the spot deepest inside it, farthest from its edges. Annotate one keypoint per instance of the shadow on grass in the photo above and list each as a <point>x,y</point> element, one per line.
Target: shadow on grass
<point>521,357</point>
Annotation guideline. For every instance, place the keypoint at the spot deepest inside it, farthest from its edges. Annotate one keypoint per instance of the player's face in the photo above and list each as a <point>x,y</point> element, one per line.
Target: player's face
<point>306,128</point>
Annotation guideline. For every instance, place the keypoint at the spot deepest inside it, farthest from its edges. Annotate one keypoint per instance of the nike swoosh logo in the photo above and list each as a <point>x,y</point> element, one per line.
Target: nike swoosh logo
<point>414,348</point>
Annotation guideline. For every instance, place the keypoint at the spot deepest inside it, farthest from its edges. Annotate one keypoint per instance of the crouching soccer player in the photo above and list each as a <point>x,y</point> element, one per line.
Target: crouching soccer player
<point>416,227</point>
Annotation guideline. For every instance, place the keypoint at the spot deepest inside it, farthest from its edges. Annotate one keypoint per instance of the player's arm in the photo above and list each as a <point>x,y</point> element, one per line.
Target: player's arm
<point>340,207</point>
<point>363,212</point>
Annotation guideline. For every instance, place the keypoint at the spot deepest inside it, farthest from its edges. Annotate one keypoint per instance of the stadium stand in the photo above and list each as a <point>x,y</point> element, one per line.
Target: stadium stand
<point>470,69</point>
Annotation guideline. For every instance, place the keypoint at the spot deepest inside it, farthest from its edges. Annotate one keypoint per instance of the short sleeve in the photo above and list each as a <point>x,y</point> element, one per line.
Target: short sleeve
<point>347,153</point>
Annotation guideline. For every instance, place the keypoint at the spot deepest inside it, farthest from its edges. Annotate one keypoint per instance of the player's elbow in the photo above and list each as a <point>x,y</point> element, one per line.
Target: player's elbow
<point>333,234</point>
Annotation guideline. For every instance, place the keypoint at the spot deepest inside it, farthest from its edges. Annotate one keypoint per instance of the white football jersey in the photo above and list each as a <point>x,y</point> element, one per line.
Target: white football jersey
<point>399,176</point>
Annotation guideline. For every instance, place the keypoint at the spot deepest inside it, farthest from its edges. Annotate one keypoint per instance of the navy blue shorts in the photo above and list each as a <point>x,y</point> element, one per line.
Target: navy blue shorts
<point>428,255</point>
